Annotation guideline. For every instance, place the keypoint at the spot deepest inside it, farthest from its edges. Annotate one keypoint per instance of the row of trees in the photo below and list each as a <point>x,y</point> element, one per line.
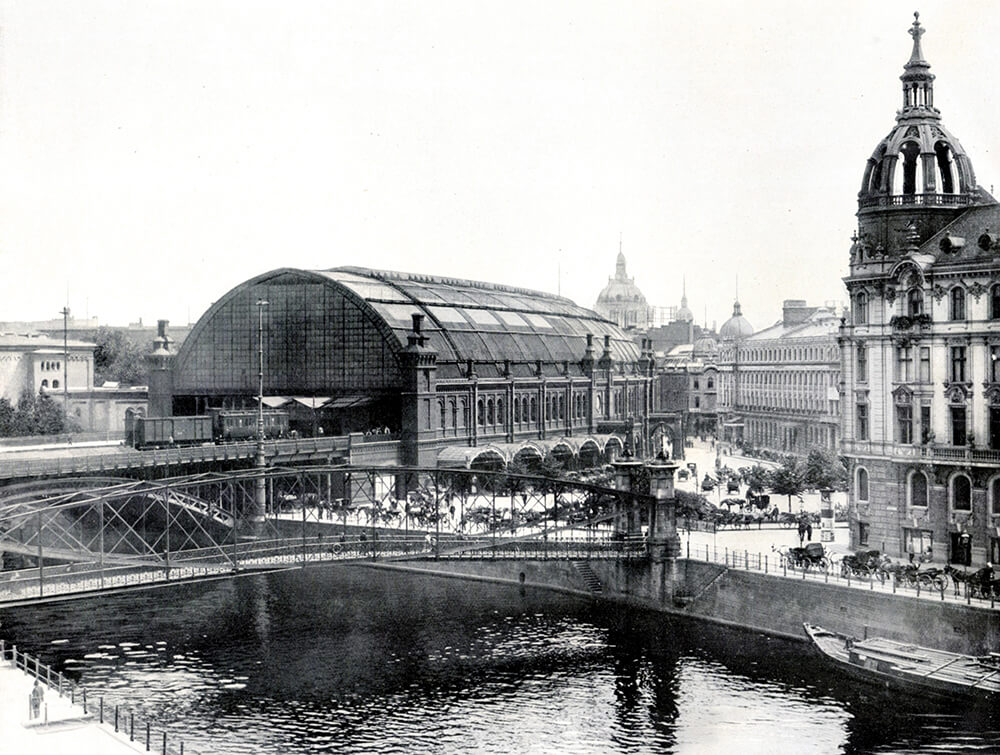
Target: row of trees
<point>820,469</point>
<point>33,415</point>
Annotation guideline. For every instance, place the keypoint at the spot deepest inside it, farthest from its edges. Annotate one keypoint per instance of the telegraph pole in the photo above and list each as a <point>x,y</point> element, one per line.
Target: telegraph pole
<point>65,313</point>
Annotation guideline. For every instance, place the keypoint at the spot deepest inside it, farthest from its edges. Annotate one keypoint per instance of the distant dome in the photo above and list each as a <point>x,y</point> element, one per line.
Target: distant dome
<point>705,346</point>
<point>736,327</point>
<point>621,301</point>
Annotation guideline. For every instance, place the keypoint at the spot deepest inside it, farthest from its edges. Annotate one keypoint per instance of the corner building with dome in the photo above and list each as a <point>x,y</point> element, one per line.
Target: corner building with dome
<point>920,352</point>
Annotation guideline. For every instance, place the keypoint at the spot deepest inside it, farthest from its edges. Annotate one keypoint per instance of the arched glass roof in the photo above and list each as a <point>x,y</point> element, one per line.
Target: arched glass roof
<point>485,322</point>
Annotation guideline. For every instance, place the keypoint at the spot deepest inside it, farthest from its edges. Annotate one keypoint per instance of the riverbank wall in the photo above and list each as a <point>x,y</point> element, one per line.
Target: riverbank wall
<point>768,603</point>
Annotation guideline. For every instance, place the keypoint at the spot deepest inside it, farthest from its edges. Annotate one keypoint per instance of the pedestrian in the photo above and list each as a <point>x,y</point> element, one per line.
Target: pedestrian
<point>809,531</point>
<point>37,695</point>
<point>802,531</point>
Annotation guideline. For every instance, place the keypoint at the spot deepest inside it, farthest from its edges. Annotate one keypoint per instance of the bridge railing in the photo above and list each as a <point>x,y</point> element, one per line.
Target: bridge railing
<point>74,705</point>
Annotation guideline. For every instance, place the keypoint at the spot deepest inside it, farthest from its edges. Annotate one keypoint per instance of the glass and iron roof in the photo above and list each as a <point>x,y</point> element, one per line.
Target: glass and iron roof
<point>484,322</point>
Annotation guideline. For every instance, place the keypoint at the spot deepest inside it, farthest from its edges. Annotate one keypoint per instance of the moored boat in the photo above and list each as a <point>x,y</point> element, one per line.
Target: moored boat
<point>910,667</point>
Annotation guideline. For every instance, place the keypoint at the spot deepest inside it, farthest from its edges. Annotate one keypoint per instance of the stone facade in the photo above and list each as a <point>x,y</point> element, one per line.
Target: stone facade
<point>779,386</point>
<point>920,353</point>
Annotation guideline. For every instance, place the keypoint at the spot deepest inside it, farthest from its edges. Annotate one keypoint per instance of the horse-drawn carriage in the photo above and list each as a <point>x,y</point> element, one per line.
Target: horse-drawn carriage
<point>810,556</point>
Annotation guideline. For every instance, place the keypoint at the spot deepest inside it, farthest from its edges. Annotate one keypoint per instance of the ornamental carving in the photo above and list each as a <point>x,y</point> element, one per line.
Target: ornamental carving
<point>977,289</point>
<point>890,294</point>
<point>938,292</point>
<point>992,394</point>
<point>903,395</point>
<point>956,394</point>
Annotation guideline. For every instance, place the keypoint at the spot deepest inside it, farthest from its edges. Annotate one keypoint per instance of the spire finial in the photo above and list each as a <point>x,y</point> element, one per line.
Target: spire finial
<point>916,31</point>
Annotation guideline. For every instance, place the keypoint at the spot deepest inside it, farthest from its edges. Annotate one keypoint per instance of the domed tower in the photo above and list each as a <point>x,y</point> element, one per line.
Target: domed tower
<point>917,174</point>
<point>621,301</point>
<point>737,327</point>
<point>683,313</point>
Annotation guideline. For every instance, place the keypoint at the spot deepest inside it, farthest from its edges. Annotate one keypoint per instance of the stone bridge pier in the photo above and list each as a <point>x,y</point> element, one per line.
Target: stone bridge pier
<point>663,544</point>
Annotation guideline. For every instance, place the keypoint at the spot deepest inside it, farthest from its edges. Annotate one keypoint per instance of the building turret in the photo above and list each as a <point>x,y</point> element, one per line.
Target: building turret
<point>161,382</point>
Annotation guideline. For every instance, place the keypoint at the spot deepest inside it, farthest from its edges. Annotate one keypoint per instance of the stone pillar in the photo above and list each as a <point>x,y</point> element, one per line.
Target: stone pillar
<point>623,520</point>
<point>664,543</point>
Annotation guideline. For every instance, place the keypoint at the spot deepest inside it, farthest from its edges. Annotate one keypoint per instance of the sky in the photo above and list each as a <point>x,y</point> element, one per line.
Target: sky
<point>153,155</point>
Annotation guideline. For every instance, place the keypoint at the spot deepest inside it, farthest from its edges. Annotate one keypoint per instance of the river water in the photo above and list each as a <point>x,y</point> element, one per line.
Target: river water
<point>352,659</point>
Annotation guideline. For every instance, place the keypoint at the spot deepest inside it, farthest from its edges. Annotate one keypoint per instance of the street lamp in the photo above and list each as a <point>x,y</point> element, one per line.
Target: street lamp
<point>261,303</point>
<point>65,313</point>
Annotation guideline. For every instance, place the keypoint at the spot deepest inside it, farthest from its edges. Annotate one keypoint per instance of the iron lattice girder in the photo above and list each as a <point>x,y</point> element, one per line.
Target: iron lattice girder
<point>171,519</point>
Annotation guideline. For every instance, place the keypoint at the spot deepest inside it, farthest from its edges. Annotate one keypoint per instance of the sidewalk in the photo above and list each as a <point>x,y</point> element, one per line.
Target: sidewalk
<point>68,731</point>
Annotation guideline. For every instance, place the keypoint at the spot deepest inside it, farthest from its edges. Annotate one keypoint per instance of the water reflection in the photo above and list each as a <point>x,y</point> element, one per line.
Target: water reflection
<point>351,659</point>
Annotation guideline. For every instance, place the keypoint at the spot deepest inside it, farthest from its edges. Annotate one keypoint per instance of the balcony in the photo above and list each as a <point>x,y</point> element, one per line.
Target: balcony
<point>910,200</point>
<point>943,454</point>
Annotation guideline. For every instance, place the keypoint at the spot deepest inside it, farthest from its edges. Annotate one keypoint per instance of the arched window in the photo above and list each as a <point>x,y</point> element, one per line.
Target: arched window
<point>562,406</point>
<point>862,487</point>
<point>454,414</point>
<point>45,384</point>
<point>534,409</point>
<point>501,418</point>
<point>481,412</point>
<point>914,302</point>
<point>490,416</point>
<point>444,414</point>
<point>995,495</point>
<point>55,383</point>
<point>861,309</point>
<point>517,410</point>
<point>918,490</point>
<point>995,301</point>
<point>961,493</point>
<point>711,383</point>
<point>464,413</point>
<point>958,303</point>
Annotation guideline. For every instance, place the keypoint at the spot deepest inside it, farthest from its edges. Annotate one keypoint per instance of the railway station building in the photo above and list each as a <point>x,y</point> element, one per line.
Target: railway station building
<point>446,371</point>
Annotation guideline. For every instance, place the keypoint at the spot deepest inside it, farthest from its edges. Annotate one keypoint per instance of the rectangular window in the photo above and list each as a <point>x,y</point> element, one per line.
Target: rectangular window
<point>995,430</point>
<point>958,425</point>
<point>925,424</point>
<point>995,364</point>
<point>904,424</point>
<point>958,364</point>
<point>862,364</point>
<point>863,531</point>
<point>862,422</point>
<point>904,364</point>
<point>925,364</point>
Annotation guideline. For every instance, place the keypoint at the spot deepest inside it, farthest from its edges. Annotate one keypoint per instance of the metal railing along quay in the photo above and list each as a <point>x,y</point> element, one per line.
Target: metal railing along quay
<point>775,564</point>
<point>121,717</point>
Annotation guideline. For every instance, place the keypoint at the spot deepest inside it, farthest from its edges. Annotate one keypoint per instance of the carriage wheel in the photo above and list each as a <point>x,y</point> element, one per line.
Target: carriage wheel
<point>940,583</point>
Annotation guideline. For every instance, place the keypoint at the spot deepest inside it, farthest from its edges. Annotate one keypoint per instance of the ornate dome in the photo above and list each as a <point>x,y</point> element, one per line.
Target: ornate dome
<point>919,162</point>
<point>736,327</point>
<point>621,301</point>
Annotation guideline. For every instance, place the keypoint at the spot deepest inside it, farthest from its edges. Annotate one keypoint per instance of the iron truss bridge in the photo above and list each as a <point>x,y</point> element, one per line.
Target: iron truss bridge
<point>71,537</point>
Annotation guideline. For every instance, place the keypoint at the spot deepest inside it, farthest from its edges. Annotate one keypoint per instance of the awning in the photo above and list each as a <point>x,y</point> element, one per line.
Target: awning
<point>310,402</point>
<point>275,402</point>
<point>345,402</point>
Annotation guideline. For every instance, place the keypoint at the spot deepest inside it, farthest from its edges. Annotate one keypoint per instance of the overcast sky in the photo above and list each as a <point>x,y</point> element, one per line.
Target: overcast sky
<point>155,154</point>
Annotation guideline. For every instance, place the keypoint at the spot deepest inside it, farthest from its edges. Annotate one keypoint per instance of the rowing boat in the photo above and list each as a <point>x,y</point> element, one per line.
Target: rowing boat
<point>910,667</point>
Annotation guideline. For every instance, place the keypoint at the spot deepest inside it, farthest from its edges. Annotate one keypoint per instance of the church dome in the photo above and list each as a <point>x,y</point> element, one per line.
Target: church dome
<point>621,288</point>
<point>621,301</point>
<point>736,327</point>
<point>919,162</point>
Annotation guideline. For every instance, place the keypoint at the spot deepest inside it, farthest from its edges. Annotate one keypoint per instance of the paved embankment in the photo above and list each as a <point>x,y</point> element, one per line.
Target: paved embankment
<point>66,724</point>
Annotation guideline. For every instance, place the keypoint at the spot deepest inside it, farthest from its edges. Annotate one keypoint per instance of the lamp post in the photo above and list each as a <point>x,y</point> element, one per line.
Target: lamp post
<point>260,498</point>
<point>65,313</point>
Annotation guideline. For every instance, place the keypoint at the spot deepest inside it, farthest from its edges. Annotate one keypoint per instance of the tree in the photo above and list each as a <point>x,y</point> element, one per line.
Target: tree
<point>757,478</point>
<point>117,359</point>
<point>34,415</point>
<point>788,479</point>
<point>823,469</point>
